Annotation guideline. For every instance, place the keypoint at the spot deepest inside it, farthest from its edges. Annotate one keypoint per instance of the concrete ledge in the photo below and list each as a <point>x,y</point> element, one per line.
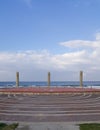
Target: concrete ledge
<point>47,91</point>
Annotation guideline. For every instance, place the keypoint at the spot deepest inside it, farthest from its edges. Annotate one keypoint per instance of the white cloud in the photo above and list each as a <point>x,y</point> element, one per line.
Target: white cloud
<point>34,65</point>
<point>83,43</point>
<point>98,36</point>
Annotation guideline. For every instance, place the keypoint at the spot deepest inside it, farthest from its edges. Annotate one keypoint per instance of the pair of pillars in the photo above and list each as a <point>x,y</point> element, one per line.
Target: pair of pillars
<point>17,79</point>
<point>81,79</point>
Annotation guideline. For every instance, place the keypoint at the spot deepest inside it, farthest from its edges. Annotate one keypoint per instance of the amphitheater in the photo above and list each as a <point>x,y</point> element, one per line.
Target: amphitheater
<point>50,105</point>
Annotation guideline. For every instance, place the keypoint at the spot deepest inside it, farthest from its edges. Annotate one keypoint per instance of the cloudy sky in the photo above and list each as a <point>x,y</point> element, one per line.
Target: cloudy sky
<point>60,36</point>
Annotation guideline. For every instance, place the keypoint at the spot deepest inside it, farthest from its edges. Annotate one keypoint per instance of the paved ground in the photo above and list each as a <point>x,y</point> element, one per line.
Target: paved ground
<point>48,126</point>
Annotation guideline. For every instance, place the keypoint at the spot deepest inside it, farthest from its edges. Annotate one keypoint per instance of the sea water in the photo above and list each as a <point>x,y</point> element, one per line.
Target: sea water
<point>53,84</point>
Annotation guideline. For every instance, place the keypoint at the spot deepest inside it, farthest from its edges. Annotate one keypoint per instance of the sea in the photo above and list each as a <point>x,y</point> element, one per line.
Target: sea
<point>7,84</point>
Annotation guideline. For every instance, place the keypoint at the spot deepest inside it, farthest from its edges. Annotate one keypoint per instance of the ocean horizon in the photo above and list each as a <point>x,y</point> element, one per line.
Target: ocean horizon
<point>6,84</point>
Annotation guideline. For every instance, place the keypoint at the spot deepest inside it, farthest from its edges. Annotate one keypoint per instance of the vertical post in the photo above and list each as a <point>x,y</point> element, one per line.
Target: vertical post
<point>48,79</point>
<point>17,79</point>
<point>81,78</point>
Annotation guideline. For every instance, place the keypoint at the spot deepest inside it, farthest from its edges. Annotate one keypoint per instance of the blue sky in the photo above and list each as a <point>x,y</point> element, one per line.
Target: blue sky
<point>61,36</point>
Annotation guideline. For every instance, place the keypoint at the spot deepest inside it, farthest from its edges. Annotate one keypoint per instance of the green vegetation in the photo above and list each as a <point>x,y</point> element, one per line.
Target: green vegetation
<point>91,126</point>
<point>4,126</point>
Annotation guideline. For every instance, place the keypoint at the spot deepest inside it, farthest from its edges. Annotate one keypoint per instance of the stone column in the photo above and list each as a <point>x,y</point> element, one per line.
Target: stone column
<point>49,79</point>
<point>81,78</point>
<point>17,79</point>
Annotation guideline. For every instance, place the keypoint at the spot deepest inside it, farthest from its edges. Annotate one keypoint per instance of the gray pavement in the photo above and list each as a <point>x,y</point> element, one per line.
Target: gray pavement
<point>48,126</point>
